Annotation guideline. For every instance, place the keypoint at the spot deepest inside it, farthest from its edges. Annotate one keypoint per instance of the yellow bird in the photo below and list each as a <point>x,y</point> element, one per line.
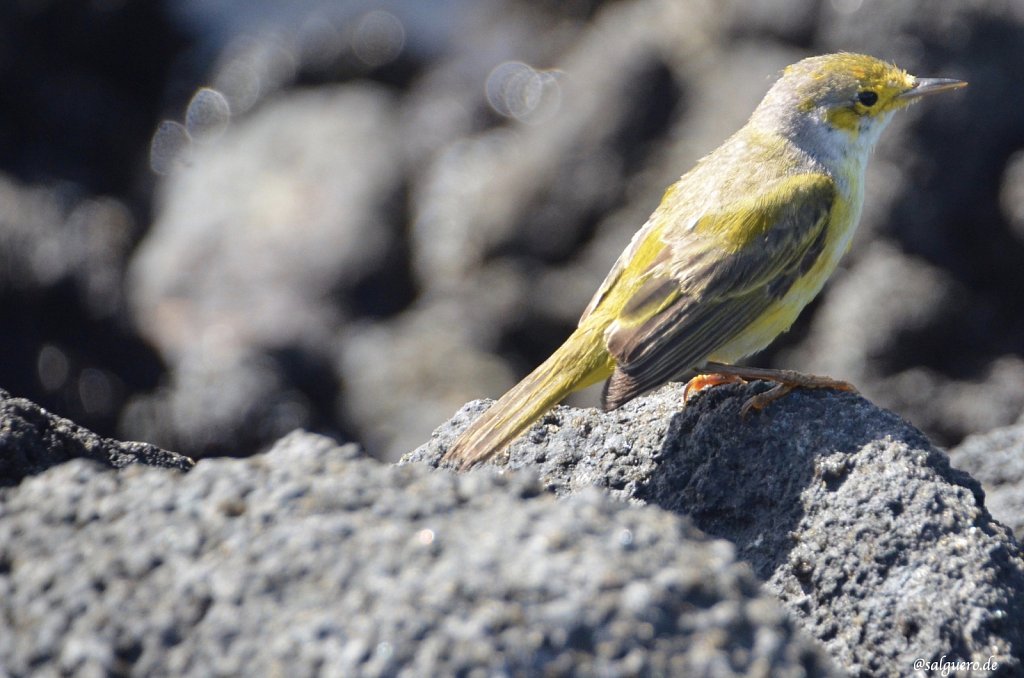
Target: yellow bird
<point>736,249</point>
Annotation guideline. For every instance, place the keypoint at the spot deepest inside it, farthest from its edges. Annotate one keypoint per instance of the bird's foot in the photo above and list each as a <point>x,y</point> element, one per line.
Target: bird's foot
<point>703,381</point>
<point>785,381</point>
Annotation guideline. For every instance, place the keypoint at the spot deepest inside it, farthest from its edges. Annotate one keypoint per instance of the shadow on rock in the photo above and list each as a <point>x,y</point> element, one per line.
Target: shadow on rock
<point>743,479</point>
<point>850,515</point>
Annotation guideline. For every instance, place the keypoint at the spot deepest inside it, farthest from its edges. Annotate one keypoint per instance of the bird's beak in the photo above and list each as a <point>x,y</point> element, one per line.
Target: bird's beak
<point>925,86</point>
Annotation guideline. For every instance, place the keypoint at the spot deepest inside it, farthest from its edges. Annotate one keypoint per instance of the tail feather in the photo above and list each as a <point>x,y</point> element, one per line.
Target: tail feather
<point>581,361</point>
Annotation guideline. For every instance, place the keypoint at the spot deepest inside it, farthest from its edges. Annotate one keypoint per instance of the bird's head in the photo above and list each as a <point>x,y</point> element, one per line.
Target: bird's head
<point>853,94</point>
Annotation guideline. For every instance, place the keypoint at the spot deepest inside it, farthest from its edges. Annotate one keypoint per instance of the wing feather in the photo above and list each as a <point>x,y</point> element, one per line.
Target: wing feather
<point>721,275</point>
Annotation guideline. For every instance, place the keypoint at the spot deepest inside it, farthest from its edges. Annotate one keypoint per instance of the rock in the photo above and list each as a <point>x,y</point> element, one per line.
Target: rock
<point>314,559</point>
<point>33,440</point>
<point>82,86</point>
<point>538,185</point>
<point>261,248</point>
<point>996,459</point>
<point>882,551</point>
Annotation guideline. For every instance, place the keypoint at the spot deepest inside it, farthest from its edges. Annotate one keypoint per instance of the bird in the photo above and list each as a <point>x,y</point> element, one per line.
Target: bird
<point>736,248</point>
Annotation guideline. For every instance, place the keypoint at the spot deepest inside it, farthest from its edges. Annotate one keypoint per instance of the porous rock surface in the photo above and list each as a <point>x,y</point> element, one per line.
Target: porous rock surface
<point>315,560</point>
<point>996,459</point>
<point>882,551</point>
<point>32,440</point>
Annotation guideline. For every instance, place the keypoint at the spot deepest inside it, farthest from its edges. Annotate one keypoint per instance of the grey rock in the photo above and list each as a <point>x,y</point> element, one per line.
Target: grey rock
<point>229,406</point>
<point>788,21</point>
<point>256,242</point>
<point>33,440</point>
<point>296,193</point>
<point>537,185</point>
<point>882,551</point>
<point>314,560</point>
<point>996,459</point>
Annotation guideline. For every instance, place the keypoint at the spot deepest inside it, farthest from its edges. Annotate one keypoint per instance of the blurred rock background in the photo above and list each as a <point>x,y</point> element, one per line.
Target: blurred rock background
<point>221,221</point>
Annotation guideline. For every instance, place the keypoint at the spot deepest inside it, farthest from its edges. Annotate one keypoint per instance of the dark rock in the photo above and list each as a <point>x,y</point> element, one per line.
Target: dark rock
<point>33,440</point>
<point>880,549</point>
<point>317,559</point>
<point>996,459</point>
<point>81,86</point>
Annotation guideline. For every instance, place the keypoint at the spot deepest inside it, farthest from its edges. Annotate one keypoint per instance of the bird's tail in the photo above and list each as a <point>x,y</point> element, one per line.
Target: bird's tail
<point>581,361</point>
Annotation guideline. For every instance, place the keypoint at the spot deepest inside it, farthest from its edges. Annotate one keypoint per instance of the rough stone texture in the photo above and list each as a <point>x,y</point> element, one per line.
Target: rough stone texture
<point>883,552</point>
<point>314,560</point>
<point>33,440</point>
<point>996,460</point>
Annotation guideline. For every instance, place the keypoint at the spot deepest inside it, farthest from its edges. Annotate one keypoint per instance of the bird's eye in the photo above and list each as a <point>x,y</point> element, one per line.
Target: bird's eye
<point>868,98</point>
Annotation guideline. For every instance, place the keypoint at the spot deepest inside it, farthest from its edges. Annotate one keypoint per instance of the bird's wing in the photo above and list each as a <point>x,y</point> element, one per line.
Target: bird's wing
<point>713,280</point>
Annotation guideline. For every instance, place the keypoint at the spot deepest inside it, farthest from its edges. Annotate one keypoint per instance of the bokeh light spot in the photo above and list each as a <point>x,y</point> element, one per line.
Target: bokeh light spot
<point>208,115</point>
<point>519,91</point>
<point>169,148</point>
<point>96,391</point>
<point>53,367</point>
<point>379,38</point>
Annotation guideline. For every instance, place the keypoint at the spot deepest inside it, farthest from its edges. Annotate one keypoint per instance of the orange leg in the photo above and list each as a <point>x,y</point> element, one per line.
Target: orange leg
<point>785,381</point>
<point>703,381</point>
